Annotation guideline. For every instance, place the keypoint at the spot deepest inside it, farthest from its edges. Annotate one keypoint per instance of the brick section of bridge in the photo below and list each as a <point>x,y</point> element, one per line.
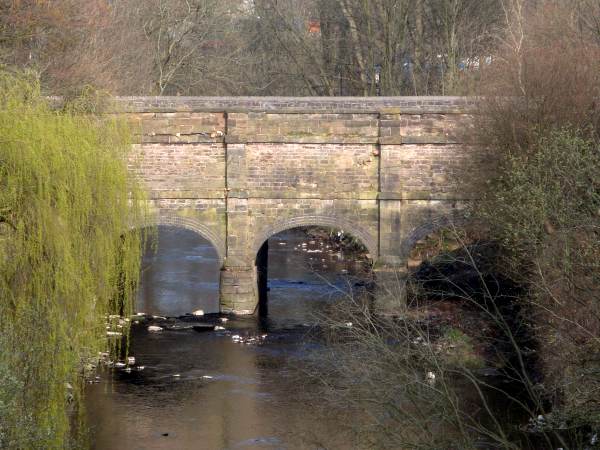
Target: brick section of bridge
<point>239,170</point>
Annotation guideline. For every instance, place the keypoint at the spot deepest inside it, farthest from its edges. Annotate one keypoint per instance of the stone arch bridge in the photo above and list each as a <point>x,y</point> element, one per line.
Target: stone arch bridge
<point>238,170</point>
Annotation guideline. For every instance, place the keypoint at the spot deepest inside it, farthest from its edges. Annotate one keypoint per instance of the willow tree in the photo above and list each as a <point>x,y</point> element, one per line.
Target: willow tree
<point>68,256</point>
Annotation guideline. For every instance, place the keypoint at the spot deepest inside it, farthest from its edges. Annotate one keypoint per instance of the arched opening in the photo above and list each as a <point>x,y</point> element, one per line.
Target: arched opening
<point>180,274</point>
<point>206,232</point>
<point>301,269</point>
<point>451,260</point>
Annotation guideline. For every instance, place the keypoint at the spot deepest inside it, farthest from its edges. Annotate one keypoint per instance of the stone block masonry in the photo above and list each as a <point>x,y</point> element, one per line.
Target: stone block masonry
<point>238,170</point>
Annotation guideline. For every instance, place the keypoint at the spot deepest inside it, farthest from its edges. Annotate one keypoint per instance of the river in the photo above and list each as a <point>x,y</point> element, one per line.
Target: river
<point>211,390</point>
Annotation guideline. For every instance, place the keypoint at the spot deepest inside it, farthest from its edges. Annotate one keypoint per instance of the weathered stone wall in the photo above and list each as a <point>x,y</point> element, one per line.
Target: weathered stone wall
<point>239,170</point>
<point>302,128</point>
<point>181,170</point>
<point>427,127</point>
<point>275,170</point>
<point>432,171</point>
<point>181,127</point>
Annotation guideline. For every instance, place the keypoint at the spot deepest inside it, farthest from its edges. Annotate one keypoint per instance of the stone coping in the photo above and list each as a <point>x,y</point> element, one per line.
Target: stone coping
<point>299,105</point>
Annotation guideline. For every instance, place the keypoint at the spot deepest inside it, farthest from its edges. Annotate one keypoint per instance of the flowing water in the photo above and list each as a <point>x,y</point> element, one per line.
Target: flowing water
<point>212,390</point>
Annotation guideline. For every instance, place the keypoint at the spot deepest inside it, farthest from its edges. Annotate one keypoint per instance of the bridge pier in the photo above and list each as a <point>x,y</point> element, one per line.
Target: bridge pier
<point>239,290</point>
<point>390,289</point>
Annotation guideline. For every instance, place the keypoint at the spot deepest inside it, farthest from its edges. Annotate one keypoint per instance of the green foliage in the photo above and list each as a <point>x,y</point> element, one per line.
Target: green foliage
<point>554,187</point>
<point>459,350</point>
<point>67,257</point>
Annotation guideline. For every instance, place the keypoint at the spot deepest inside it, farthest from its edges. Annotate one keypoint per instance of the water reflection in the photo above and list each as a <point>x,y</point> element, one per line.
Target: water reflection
<point>207,390</point>
<point>182,276</point>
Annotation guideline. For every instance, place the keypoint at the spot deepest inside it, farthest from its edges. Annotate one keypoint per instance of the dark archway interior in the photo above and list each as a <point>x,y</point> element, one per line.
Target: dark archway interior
<point>310,264</point>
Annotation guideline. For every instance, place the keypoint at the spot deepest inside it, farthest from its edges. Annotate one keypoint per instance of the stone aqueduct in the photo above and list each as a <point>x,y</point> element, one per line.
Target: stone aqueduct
<point>238,170</point>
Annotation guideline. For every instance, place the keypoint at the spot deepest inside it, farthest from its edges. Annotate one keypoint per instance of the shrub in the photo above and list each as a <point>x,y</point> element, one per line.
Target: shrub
<point>544,209</point>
